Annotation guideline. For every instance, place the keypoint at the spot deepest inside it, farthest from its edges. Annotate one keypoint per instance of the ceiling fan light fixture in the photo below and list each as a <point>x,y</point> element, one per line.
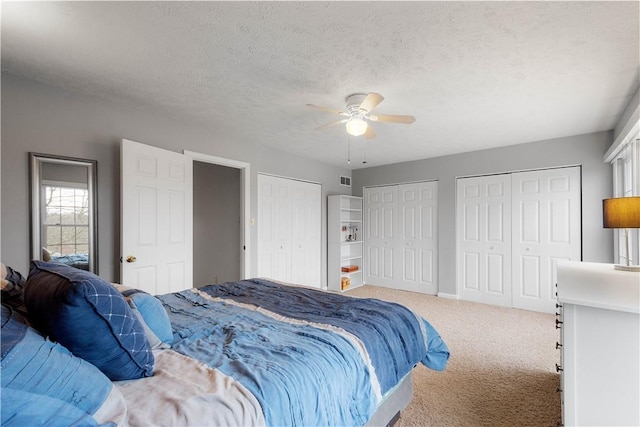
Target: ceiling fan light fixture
<point>356,126</point>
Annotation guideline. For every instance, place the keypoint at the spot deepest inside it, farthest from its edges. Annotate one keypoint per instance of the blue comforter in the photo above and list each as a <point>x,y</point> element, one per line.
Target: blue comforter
<point>295,348</point>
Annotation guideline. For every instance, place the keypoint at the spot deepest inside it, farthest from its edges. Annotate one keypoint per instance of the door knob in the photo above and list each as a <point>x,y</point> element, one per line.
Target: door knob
<point>131,258</point>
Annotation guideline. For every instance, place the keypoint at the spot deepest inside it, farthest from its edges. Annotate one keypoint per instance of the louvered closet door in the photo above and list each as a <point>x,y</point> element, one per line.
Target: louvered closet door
<point>484,239</point>
<point>546,229</point>
<point>380,204</point>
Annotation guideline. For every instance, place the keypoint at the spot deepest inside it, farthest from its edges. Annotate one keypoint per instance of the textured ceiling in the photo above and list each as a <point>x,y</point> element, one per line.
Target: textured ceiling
<point>474,74</point>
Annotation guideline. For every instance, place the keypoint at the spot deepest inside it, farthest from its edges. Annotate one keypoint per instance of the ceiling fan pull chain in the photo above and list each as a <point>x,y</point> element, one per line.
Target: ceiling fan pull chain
<point>348,150</point>
<point>364,161</point>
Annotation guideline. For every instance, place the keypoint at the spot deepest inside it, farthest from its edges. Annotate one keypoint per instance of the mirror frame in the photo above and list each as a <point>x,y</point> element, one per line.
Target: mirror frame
<point>35,165</point>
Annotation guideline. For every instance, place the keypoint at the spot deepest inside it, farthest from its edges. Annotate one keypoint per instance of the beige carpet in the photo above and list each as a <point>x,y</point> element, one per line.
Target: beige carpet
<point>502,366</point>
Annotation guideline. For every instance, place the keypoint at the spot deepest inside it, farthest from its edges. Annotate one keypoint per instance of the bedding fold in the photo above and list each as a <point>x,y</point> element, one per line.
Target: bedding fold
<point>394,336</point>
<point>300,374</point>
<point>308,357</point>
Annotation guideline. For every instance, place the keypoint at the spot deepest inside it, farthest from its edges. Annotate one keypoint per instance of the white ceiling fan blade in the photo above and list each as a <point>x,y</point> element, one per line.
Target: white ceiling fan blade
<point>328,110</point>
<point>328,125</point>
<point>391,118</point>
<point>369,133</point>
<point>371,101</point>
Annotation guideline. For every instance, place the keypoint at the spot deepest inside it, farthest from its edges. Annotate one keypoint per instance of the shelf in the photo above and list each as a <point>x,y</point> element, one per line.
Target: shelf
<point>344,219</point>
<point>351,273</point>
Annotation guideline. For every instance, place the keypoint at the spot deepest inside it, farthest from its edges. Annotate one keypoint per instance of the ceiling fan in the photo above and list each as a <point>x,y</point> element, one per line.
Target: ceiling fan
<point>358,113</point>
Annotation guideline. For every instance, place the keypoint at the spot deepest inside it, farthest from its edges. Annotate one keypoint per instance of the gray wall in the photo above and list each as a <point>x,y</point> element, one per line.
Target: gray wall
<point>627,117</point>
<point>216,216</point>
<point>41,118</point>
<point>585,150</point>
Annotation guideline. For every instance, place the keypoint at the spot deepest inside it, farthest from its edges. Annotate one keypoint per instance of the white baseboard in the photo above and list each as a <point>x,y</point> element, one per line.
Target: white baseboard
<point>446,295</point>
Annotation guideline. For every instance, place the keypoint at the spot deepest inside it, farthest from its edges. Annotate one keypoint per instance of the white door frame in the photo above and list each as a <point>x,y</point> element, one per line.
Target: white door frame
<point>244,167</point>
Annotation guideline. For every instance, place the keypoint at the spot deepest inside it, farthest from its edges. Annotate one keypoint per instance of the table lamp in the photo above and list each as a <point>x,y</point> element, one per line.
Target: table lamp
<point>622,212</point>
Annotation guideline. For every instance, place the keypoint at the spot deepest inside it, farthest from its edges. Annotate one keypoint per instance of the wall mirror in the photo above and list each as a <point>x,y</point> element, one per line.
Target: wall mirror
<point>63,210</point>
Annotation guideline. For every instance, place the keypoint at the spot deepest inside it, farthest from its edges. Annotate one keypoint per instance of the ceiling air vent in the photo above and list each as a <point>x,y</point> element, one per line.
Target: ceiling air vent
<point>345,180</point>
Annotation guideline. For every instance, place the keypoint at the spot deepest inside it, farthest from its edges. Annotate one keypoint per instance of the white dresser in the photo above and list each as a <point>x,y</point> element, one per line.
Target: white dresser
<point>600,344</point>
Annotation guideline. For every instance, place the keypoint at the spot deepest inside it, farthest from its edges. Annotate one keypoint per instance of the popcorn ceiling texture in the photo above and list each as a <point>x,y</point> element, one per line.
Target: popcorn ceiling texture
<point>475,74</point>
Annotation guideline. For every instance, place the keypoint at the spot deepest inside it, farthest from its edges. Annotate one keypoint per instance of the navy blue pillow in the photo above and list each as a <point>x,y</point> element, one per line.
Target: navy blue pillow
<point>89,317</point>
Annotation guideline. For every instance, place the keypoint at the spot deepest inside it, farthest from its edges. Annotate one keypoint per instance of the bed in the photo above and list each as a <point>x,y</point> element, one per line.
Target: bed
<point>253,352</point>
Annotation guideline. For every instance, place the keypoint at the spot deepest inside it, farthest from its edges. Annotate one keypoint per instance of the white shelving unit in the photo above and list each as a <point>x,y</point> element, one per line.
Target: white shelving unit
<point>344,240</point>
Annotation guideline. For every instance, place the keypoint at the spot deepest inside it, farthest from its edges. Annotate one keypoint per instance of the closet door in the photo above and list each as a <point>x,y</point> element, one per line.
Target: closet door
<point>546,229</point>
<point>484,239</point>
<point>274,228</point>
<point>305,233</point>
<point>418,237</point>
<point>289,227</point>
<point>380,205</point>
<point>401,237</point>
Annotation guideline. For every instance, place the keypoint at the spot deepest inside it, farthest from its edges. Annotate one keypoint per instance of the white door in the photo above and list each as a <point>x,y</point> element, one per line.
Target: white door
<point>546,229</point>
<point>306,228</point>
<point>418,237</point>
<point>156,219</point>
<point>380,205</point>
<point>274,228</point>
<point>484,239</point>
<point>289,228</point>
<point>401,236</point>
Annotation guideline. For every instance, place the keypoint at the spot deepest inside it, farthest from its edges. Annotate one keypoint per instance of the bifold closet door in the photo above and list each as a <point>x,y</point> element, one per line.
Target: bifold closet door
<point>380,205</point>
<point>306,216</point>
<point>274,231</point>
<point>289,228</point>
<point>418,237</point>
<point>546,229</point>
<point>484,239</point>
<point>512,229</point>
<point>401,236</point>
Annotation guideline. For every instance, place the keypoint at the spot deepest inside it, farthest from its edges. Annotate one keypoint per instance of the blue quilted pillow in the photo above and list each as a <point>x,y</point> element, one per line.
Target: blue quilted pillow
<point>41,379</point>
<point>152,311</point>
<point>89,317</point>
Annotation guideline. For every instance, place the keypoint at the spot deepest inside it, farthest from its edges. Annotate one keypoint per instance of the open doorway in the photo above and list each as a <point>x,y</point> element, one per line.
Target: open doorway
<point>216,224</point>
<point>220,219</point>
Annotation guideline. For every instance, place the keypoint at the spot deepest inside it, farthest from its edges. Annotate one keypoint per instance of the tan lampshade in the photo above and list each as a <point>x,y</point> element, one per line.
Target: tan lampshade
<point>621,212</point>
